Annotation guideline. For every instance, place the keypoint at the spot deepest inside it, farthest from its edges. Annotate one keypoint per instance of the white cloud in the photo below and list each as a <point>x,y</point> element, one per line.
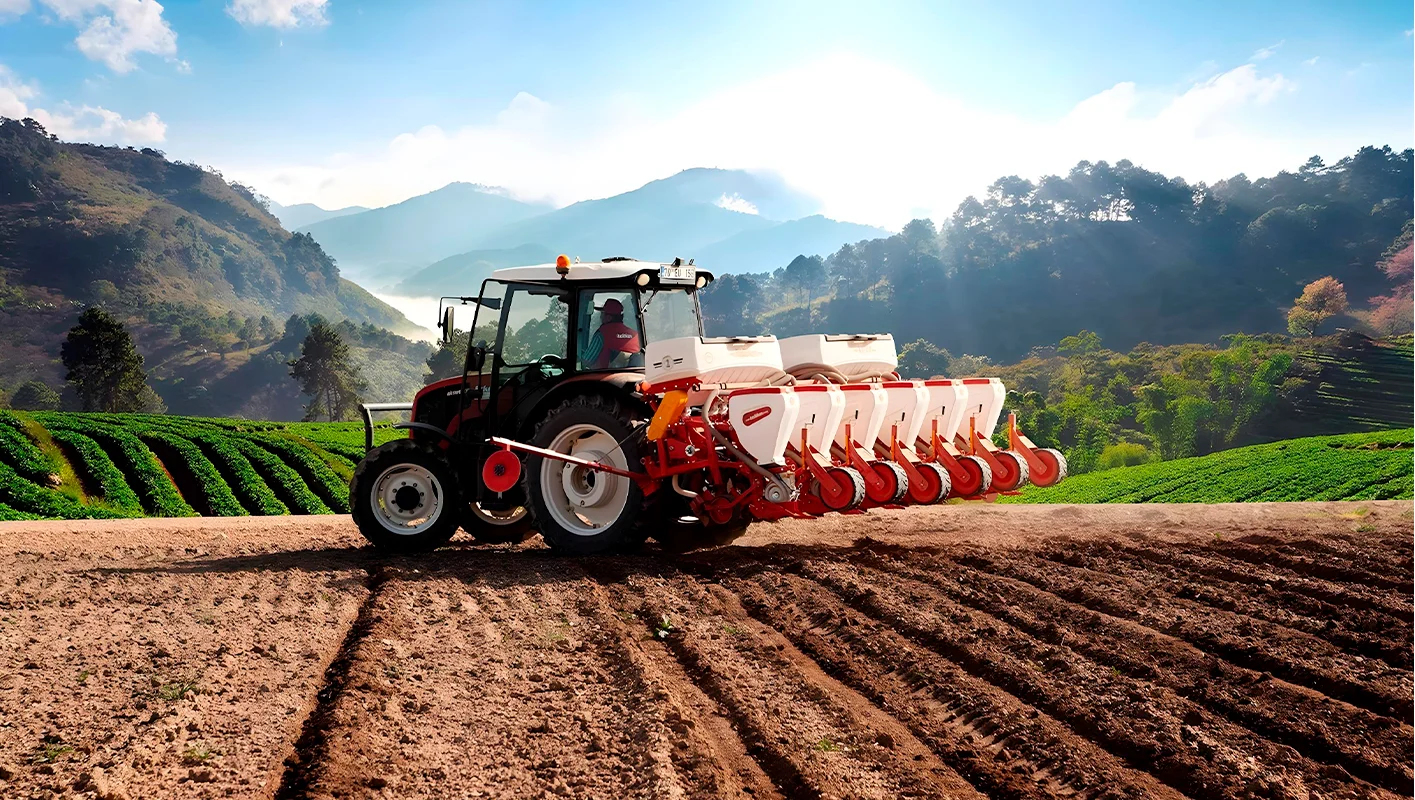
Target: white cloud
<point>10,9</point>
<point>112,31</point>
<point>1263,53</point>
<point>904,148</point>
<point>279,13</point>
<point>85,123</point>
<point>184,66</point>
<point>737,203</point>
<point>1312,62</point>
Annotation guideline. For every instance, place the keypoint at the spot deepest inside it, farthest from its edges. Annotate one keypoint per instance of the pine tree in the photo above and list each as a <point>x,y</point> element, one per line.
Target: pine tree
<point>327,374</point>
<point>105,369</point>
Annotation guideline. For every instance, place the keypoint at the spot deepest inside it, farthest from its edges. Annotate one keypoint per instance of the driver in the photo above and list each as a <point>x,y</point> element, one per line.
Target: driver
<point>612,338</point>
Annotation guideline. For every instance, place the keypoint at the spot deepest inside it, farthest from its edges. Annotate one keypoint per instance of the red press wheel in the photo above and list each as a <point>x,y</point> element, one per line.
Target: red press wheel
<point>893,483</point>
<point>976,478</point>
<point>853,497</point>
<point>1012,473</point>
<point>934,486</point>
<point>1055,471</point>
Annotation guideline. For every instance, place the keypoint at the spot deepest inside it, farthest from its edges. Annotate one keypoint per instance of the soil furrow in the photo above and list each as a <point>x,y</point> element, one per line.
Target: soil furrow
<point>1244,572</point>
<point>302,765</point>
<point>1353,555</point>
<point>1357,632</point>
<point>1294,656</point>
<point>1151,727</point>
<point>815,736</point>
<point>1003,746</point>
<point>1306,566</point>
<point>1371,747</point>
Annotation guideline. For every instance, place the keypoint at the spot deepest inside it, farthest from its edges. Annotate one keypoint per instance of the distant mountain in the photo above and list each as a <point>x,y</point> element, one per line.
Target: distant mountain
<point>462,274</point>
<point>385,243</point>
<point>676,216</point>
<point>154,239</point>
<point>302,214</point>
<point>771,248</point>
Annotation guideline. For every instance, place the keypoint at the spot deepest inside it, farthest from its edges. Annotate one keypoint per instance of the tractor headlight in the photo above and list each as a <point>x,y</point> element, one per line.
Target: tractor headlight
<point>701,282</point>
<point>643,279</point>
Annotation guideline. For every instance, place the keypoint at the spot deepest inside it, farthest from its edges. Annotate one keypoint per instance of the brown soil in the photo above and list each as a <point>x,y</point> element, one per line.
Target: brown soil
<point>958,651</point>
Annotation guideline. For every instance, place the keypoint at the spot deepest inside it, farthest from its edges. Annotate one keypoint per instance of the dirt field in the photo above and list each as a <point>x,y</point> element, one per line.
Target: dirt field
<point>961,651</point>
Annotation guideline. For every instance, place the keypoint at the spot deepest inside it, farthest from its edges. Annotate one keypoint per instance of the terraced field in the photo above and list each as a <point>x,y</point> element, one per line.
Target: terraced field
<point>1140,651</point>
<point>1357,466</point>
<point>78,466</point>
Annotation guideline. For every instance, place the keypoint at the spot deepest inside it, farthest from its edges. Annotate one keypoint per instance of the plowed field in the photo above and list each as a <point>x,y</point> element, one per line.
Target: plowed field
<point>960,651</point>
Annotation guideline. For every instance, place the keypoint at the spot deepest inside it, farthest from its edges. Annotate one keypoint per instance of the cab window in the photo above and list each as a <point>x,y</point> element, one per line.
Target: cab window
<point>609,336</point>
<point>669,314</point>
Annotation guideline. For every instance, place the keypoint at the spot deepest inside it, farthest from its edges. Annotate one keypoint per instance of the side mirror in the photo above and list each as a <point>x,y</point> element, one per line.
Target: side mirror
<point>446,325</point>
<point>476,358</point>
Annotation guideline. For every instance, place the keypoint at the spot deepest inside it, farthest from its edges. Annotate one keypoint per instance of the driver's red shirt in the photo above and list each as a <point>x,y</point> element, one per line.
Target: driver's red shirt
<point>611,338</point>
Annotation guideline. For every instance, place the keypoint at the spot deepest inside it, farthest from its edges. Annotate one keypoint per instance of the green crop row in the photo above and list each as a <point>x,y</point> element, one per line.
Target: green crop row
<point>313,471</point>
<point>1374,465</point>
<point>218,495</point>
<point>249,487</point>
<point>17,450</point>
<point>26,496</point>
<point>159,495</point>
<point>8,514</point>
<point>103,476</point>
<point>286,481</point>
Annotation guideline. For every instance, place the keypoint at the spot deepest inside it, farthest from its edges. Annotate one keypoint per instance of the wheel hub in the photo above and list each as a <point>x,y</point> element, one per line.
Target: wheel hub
<point>407,498</point>
<point>585,487</point>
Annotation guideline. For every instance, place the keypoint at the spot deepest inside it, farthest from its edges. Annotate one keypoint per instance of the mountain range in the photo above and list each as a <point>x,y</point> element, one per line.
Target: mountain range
<point>302,214</point>
<point>446,241</point>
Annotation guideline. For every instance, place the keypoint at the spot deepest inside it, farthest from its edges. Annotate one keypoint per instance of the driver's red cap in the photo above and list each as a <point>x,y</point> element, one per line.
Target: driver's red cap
<point>612,306</point>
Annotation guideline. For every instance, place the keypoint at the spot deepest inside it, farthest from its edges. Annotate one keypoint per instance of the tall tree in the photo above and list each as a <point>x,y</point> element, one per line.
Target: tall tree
<point>35,396</point>
<point>327,374</point>
<point>1321,300</point>
<point>105,369</point>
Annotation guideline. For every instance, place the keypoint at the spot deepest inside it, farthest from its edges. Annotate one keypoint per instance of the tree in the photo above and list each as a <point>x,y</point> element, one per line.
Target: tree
<point>35,396</point>
<point>449,357</point>
<point>1391,313</point>
<point>327,374</point>
<point>105,369</point>
<point>806,274</point>
<point>1323,299</point>
<point>922,359</point>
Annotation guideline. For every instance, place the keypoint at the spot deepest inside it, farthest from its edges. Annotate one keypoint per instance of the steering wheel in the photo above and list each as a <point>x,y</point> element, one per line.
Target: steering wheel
<point>552,361</point>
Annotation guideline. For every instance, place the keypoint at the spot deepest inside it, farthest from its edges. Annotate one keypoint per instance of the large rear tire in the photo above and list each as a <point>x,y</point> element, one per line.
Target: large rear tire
<point>404,497</point>
<point>580,510</point>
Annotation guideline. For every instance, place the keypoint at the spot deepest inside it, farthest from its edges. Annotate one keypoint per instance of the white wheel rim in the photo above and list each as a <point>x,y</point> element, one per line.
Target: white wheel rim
<point>508,517</point>
<point>581,500</point>
<point>395,506</point>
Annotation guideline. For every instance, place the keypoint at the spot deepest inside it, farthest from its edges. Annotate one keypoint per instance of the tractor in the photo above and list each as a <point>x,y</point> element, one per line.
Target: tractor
<point>600,415</point>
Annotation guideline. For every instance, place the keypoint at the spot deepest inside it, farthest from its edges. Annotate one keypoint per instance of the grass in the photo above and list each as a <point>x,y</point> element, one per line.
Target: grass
<point>1360,466</point>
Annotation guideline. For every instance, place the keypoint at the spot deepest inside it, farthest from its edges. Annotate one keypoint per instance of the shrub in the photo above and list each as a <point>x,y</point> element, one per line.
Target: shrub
<point>35,396</point>
<point>1123,454</point>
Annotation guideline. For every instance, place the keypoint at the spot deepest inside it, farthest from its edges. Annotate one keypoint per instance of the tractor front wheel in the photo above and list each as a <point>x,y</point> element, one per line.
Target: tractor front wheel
<point>577,509</point>
<point>404,497</point>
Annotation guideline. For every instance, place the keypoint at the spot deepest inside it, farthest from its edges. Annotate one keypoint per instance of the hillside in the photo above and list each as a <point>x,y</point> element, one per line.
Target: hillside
<point>1363,466</point>
<point>463,273</point>
<point>771,248</point>
<point>379,246</point>
<point>302,214</point>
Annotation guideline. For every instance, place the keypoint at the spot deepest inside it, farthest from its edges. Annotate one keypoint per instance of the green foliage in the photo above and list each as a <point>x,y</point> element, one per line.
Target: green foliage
<point>103,477</point>
<point>217,494</point>
<point>313,471</point>
<point>159,495</point>
<point>105,368</point>
<point>1365,466</point>
<point>921,359</point>
<point>28,497</point>
<point>247,485</point>
<point>1124,454</point>
<point>35,396</point>
<point>286,481</point>
<point>21,453</point>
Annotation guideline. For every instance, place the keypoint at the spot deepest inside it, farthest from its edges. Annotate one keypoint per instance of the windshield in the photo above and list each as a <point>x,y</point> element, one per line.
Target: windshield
<point>668,314</point>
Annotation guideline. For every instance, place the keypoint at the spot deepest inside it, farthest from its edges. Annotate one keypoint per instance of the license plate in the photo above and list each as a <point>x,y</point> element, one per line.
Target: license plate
<point>667,273</point>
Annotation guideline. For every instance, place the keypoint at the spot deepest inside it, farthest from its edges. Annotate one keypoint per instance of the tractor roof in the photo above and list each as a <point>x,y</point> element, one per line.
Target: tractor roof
<point>607,270</point>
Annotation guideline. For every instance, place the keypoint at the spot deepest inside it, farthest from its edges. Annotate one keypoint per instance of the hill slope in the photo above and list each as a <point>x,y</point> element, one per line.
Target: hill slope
<point>772,248</point>
<point>1358,466</point>
<point>419,231</point>
<point>463,273</point>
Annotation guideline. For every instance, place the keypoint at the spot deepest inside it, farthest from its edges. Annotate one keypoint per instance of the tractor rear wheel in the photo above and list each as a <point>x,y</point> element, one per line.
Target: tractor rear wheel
<point>404,497</point>
<point>489,526</point>
<point>577,509</point>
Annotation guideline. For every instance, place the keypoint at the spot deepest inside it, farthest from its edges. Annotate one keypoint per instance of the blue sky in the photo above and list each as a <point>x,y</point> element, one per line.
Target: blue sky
<point>882,110</point>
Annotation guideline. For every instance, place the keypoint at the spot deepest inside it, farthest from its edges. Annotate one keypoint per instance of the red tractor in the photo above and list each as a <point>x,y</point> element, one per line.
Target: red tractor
<point>600,415</point>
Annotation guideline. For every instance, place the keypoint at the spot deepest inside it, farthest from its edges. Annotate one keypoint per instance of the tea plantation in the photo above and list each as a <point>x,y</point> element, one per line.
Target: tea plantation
<point>1357,466</point>
<point>75,466</point>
